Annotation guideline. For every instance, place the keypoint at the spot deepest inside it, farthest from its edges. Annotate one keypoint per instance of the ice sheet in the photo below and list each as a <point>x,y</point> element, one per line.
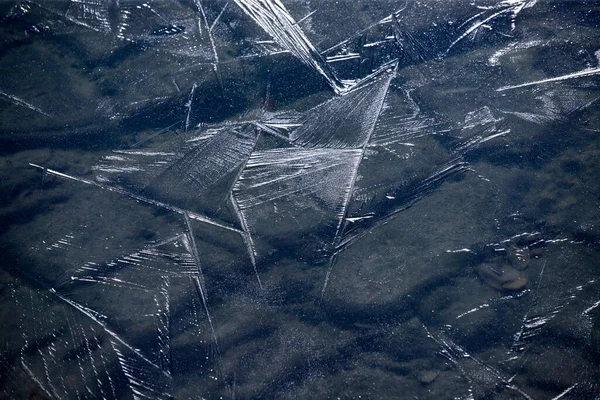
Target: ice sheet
<point>299,199</point>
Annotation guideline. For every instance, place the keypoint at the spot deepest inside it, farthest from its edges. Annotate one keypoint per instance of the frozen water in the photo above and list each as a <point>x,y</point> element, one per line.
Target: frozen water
<point>299,199</point>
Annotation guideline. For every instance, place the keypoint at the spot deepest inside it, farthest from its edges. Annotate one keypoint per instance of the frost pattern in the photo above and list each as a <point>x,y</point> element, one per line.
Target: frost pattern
<point>247,194</point>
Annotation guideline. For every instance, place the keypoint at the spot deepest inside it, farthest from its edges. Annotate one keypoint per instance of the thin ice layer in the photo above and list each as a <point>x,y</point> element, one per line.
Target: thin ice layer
<point>406,157</point>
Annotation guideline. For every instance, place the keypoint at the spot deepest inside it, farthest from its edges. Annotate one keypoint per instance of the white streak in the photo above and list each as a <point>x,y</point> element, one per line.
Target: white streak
<point>274,18</point>
<point>580,74</point>
<point>188,106</point>
<point>218,16</point>
<point>476,26</point>
<point>587,310</point>
<point>306,17</point>
<point>246,237</point>
<point>565,392</point>
<point>22,103</point>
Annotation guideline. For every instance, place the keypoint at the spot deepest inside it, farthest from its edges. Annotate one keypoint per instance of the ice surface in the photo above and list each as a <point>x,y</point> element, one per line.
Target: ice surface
<point>299,199</point>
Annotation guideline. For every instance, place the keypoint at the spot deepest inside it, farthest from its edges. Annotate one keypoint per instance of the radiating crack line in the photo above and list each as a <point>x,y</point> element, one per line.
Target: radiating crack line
<point>144,199</point>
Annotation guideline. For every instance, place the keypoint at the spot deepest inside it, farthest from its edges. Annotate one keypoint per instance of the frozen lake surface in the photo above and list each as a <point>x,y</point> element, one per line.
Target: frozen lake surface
<point>294,199</point>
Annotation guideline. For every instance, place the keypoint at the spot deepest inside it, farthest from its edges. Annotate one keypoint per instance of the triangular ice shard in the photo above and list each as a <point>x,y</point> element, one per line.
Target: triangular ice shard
<point>195,175</point>
<point>406,161</point>
<point>290,193</point>
<point>344,122</point>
